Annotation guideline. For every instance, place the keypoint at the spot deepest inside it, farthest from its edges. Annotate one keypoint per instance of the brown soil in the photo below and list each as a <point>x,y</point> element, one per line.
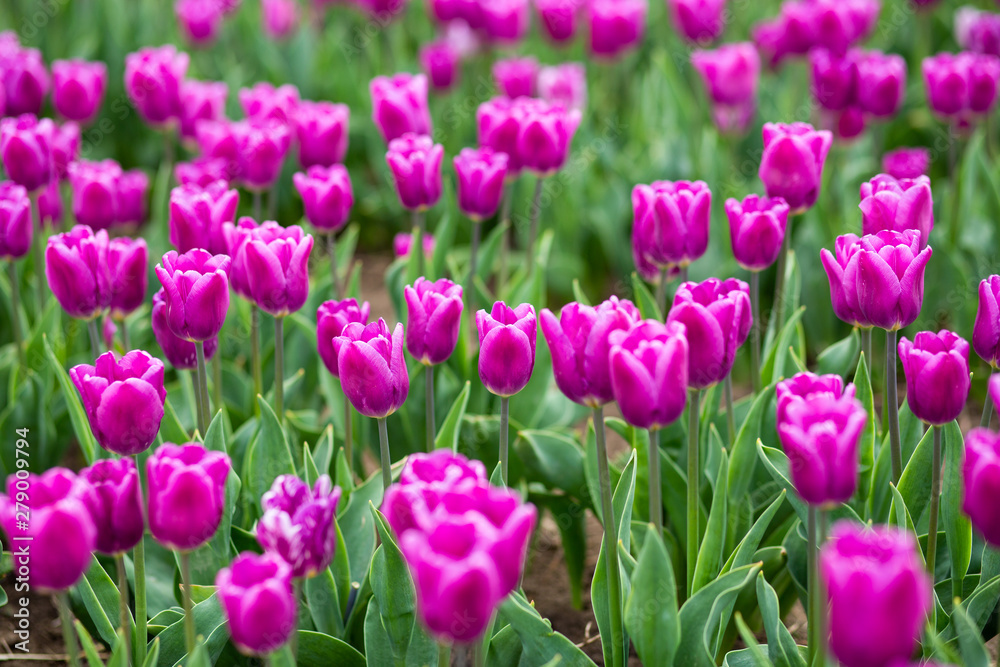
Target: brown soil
<point>45,641</point>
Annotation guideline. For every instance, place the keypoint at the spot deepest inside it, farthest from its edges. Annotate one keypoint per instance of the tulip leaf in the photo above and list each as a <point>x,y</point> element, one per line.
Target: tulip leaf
<point>444,239</point>
<point>781,648</point>
<point>324,451</point>
<point>413,260</point>
<point>316,649</point>
<point>744,553</point>
<point>777,464</point>
<point>570,518</point>
<point>540,643</point>
<point>392,587</point>
<point>77,415</point>
<point>747,657</point>
<point>152,653</point>
<point>841,357</point>
<point>705,614</point>
<point>743,461</point>
<point>447,436</point>
<point>578,293</point>
<point>915,483</point>
<point>310,472</point>
<point>324,603</point>
<point>378,646</point>
<point>553,459</point>
<point>100,597</point>
<point>209,622</point>
<point>957,525</point>
<point>87,643</point>
<point>899,516</point>
<point>171,429</point>
<point>911,430</point>
<point>504,648</point>
<point>346,245</point>
<point>713,542</point>
<point>776,361</point>
<point>269,455</point>
<point>488,251</point>
<point>648,308</point>
<point>359,528</point>
<point>866,444</point>
<point>970,641</point>
<point>790,295</point>
<point>651,613</point>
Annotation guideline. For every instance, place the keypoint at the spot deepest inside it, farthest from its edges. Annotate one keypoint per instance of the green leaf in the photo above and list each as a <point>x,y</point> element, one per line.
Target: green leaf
<point>705,613</point>
<point>447,435</point>
<point>791,294</point>
<point>553,459</point>
<point>777,464</point>
<point>781,648</point>
<point>540,643</point>
<point>651,613</point>
<point>578,294</point>
<point>648,308</point>
<point>710,553</point>
<point>359,527</point>
<point>970,641</point>
<point>840,357</point>
<point>744,456</point>
<point>320,650</point>
<point>747,657</point>
<point>269,454</point>
<point>309,466</point>
<point>444,239</point>
<point>324,603</point>
<point>392,587</point>
<point>866,444</point>
<point>744,553</point>
<point>77,416</point>
<point>153,653</point>
<point>957,525</point>
<point>776,362</point>
<point>570,518</point>
<point>899,516</point>
<point>208,618</point>
<point>915,483</point>
<point>101,598</point>
<point>87,643</point>
<point>171,429</point>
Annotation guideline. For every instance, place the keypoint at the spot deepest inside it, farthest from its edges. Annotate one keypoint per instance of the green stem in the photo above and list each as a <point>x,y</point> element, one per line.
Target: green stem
<point>139,563</point>
<point>189,636</point>
<point>126,339</point>
<point>890,388</point>
<point>730,410</point>
<point>755,330</point>
<point>812,562</point>
<point>293,641</point>
<point>383,441</point>
<point>987,411</point>
<point>38,247</point>
<point>956,192</point>
<point>866,349</point>
<point>470,289</point>
<point>508,200</point>
<point>932,524</point>
<point>199,347</point>
<point>821,604</point>
<point>682,277</point>
<point>69,632</point>
<point>217,381</point>
<point>258,382</point>
<point>331,249</point>
<point>279,367</point>
<point>168,150</point>
<point>661,290</point>
<point>257,206</point>
<point>429,400</point>
<point>536,208</point>
<point>478,654</point>
<point>444,655</point>
<point>778,307</point>
<point>123,598</point>
<point>348,427</point>
<point>610,542</point>
<point>693,490</point>
<point>420,223</point>
<point>504,427</point>
<point>95,338</point>
<point>15,319</point>
<point>655,491</point>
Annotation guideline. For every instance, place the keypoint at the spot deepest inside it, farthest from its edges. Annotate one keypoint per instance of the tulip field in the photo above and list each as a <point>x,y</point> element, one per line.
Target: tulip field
<point>500,333</point>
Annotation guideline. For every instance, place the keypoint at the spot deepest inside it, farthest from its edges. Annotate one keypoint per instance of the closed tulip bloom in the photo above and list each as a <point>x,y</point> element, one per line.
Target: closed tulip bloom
<point>153,77</point>
<point>977,31</point>
<point>546,132</point>
<point>180,353</point>
<point>76,268</point>
<point>133,185</point>
<point>803,387</point>
<point>558,18</point>
<point>906,162</point>
<point>440,61</point>
<point>984,79</point>
<point>25,81</point>
<point>648,367</point>
<point>698,21</point>
<point>26,149</point>
<point>616,25</point>
<point>61,533</point>
<point>792,164</point>
<point>200,101</point>
<point>946,82</point>
<point>264,102</point>
<point>841,271</point>
<point>332,317</point>
<point>95,192</point>
<point>263,145</point>
<point>886,276</point>
<point>434,316</point>
<point>196,291</point>
<point>115,503</point>
<point>65,149</point>
<point>888,204</point>
<point>127,263</point>
<point>480,177</point>
<point>505,21</point>
<point>399,105</point>
<point>278,271</point>
<point>986,332</point>
<point>936,366</point>
<point>78,88</point>
<point>730,74</point>
<point>580,339</point>
<point>716,316</point>
<point>298,523</point>
<point>415,163</point>
<point>671,218</point>
<point>879,594</point>
<point>441,470</point>
<point>516,77</point>
<point>202,171</point>
<point>322,131</point>
<point>499,123</point>
<point>564,84</point>
<point>123,399</point>
<point>327,196</point>
<point>881,83</point>
<point>15,221</point>
<point>237,237</point>
<point>402,242</point>
<point>256,596</point>
<point>981,476</point>
<point>220,140</point>
<point>506,347</point>
<point>281,17</point>
<point>757,230</point>
<point>371,367</point>
<point>187,494</point>
<point>834,78</point>
<point>199,19</point>
<point>197,216</point>
<point>50,206</point>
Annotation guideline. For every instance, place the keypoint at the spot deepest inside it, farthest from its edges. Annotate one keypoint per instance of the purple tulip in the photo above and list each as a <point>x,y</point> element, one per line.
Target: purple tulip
<point>564,85</point>
<point>199,19</point>
<point>879,594</point>
<point>278,270</point>
<point>114,500</point>
<point>371,368</point>
<point>499,122</point>
<point>95,192</point>
<point>434,316</point>
<point>757,230</point>
<point>76,268</point>
<point>264,103</point>
<point>803,387</point>
<point>984,80</point>
<point>262,146</point>
<point>977,31</point>
<point>322,132</point>
<point>946,82</point>
<point>402,242</point>
<point>181,353</point>
<point>60,532</point>
<point>546,132</point>
<point>256,596</point>
<point>332,317</point>
<point>986,332</point>
<point>516,77</point>
<point>670,219</point>
<point>153,77</point>
<point>220,140</point>
<point>888,204</point>
<point>281,17</point>
<point>25,79</point>
<point>327,196</point>
<point>197,216</point>
<point>906,162</point>
<point>834,78</point>
<point>506,347</point>
<point>936,366</point>
<point>196,291</point>
<point>399,105</point>
<point>792,164</point>
<point>78,88</point>
<point>415,163</point>
<point>200,101</point>
<point>698,21</point>
<point>127,263</point>
<point>558,18</point>
<point>298,523</point>
<point>440,470</point>
<point>202,171</point>
<point>981,474</point>
<point>15,221</point>
<point>187,494</point>
<point>237,237</point>
<point>505,21</point>
<point>717,320</point>
<point>480,177</point>
<point>26,149</point>
<point>133,185</point>
<point>440,62</point>
<point>50,206</point>
<point>730,74</point>
<point>65,146</point>
<point>616,25</point>
<point>881,83</point>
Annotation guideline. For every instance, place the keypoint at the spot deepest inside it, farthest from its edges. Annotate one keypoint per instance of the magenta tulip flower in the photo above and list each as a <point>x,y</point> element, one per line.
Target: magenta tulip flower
<point>648,368</point>
<point>327,196</point>
<point>434,316</point>
<point>480,177</point>
<point>545,134</point>
<point>196,291</point>
<point>834,78</point>
<point>792,164</point>
<point>616,25</point>
<point>25,80</point>
<point>133,186</point>
<point>78,88</point>
<point>127,263</point>
<point>402,243</point>
<point>263,102</point>
<point>803,387</point>
<point>153,77</point>
<point>505,21</point>
<point>984,80</point>
<point>95,192</point>
<point>440,62</point>
<point>332,317</point>
<point>937,375</point>
<point>499,122</point>
<point>888,204</point>
<point>220,140</point>
<point>202,171</point>
<point>281,18</point>
<point>180,353</point>
<point>558,18</point>
<point>298,523</point>
<point>946,82</point>
<point>199,20</point>
<point>506,347</point>
<point>516,77</point>
<point>26,150</point>
<point>881,83</point>
<point>730,74</point>
<point>981,476</point>
<point>697,21</point>
<point>201,101</point>
<point>65,149</point>
<point>239,235</point>
<point>906,162</point>
<point>278,271</point>
<point>15,221</point>
<point>60,533</point>
<point>372,371</point>
<point>262,146</point>
<point>977,31</point>
<point>256,596</point>
<point>197,216</point>
<point>670,219</point>
<point>415,163</point>
<point>187,494</point>
<point>76,268</point>
<point>757,230</point>
<point>986,332</point>
<point>114,500</point>
<point>50,206</point>
<point>321,129</point>
<point>399,105</point>
<point>564,84</point>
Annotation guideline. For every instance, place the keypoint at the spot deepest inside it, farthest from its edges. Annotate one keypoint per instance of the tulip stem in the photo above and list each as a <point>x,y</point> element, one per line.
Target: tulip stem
<point>123,596</point>
<point>431,427</point>
<point>199,347</point>
<point>693,490</point>
<point>661,291</point>
<point>893,405</point>
<point>778,307</point>
<point>168,149</point>
<point>821,605</point>
<point>69,632</point>
<point>755,331</point>
<point>420,223</point>
<point>348,445</point>
<point>536,209</point>
<point>189,636</point>
<point>730,410</point>
<point>610,542</point>
<point>813,629</point>
<point>126,339</point>
<point>95,338</point>
<point>217,381</point>
<point>478,657</point>
<point>508,200</point>
<point>383,441</point>
<point>470,289</point>
<point>331,248</point>
<point>932,524</point>
<point>37,244</point>
<point>866,349</point>
<point>279,367</point>
<point>258,382</point>
<point>15,315</point>
<point>987,410</point>
<point>444,655</point>
<point>257,206</point>
<point>655,495</point>
<point>139,563</point>
<point>504,428</point>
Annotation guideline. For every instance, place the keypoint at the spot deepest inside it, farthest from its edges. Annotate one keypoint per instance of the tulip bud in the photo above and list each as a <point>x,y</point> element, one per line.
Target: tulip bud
<point>78,88</point>
<point>264,103</point>
<point>262,146</point>
<point>115,504</point>
<point>986,332</point>
<point>26,149</point>
<point>546,132</point>
<point>671,220</point>
<point>834,78</point>
<point>399,105</point>
<point>197,216</point>
<point>327,196</point>
<point>76,268</point>
<point>984,79</point>
<point>256,596</point>
<point>196,291</point>
<point>402,242</point>
<point>25,81</point>
<point>516,77</point>
<point>616,25</point>
<point>127,262</point>
<point>95,192</point>
<point>181,353</point>
<point>434,316</point>
<point>731,74</point>
<point>187,494</point>
<point>60,532</point>
<point>888,204</point>
<point>278,271</point>
<point>803,387</point>
<point>439,60</point>
<point>792,164</point>
<point>757,230</point>
<point>937,375</point>
<point>558,18</point>
<point>153,77</point>
<point>879,594</point>
<point>981,477</point>
<point>977,31</point>
<point>200,101</point>
<point>506,347</point>
<point>322,132</point>
<point>717,319</point>
<point>202,172</point>
<point>298,523</point>
<point>565,84</point>
<point>15,221</point>
<point>332,317</point>
<point>415,163</point>
<point>481,173</point>
<point>236,238</point>
<point>698,21</point>
<point>881,83</point>
<point>371,368</point>
<point>281,17</point>
<point>906,162</point>
<point>947,83</point>
<point>199,19</point>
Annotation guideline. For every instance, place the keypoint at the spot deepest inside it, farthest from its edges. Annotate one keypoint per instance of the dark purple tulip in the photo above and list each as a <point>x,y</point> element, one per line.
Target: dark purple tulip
<point>399,105</point>
<point>322,132</point>
<point>434,316</point>
<point>327,196</point>
<point>888,204</point>
<point>986,332</point>
<point>906,162</point>
<point>76,268</point>
<point>372,370</point>
<point>298,523</point>
<point>881,83</point>
<point>564,84</point>
<point>257,598</point>
<point>264,102</point>
<point>238,236</point>
<point>480,177</point>
<point>15,221</point>
<point>670,219</point>
<point>499,123</point>
<point>187,494</point>
<point>697,21</point>
<point>616,25</point>
<point>332,317</point>
<point>278,270</point>
<point>834,78</point>
<point>127,263</point>
<point>201,101</point>
<point>78,88</point>
<point>516,77</point>
<point>981,474</point>
<point>792,164</point>
<point>936,366</point>
<point>180,353</point>
<point>153,77</point>
<point>95,192</point>
<point>649,372</point>
<point>196,291</point>
<point>756,230</point>
<point>415,163</point>
<point>197,216</point>
<point>115,503</point>
<point>26,149</point>
<point>506,347</point>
